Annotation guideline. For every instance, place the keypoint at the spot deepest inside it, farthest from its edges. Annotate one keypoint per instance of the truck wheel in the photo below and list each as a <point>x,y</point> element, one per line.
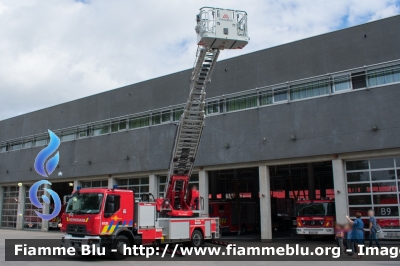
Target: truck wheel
<point>307,237</point>
<point>197,239</point>
<point>118,244</point>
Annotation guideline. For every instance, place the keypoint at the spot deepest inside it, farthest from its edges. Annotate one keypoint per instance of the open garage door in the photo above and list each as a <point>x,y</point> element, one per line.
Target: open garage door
<point>234,199</point>
<point>309,185</point>
<point>295,181</point>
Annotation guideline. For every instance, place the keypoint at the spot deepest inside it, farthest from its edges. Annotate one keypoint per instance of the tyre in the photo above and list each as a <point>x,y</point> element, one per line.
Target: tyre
<point>307,237</point>
<point>118,244</point>
<point>197,239</point>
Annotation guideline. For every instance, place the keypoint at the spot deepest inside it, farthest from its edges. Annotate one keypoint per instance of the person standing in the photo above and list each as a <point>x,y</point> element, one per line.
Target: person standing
<point>373,229</point>
<point>357,233</point>
<point>347,239</point>
<point>339,235</point>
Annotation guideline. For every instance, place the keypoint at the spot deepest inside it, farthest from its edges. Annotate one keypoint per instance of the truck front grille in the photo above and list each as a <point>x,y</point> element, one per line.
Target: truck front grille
<point>313,223</point>
<point>75,229</point>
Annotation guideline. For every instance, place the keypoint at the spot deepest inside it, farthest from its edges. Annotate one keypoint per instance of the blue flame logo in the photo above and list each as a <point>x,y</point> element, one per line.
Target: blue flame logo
<point>35,201</point>
<point>40,163</point>
<point>45,154</point>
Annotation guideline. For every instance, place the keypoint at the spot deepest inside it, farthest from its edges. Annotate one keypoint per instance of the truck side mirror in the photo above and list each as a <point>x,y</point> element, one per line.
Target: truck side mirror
<point>110,209</point>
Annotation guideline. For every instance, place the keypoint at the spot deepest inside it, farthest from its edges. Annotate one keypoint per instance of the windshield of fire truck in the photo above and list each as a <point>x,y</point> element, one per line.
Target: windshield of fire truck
<point>85,203</point>
<point>315,209</point>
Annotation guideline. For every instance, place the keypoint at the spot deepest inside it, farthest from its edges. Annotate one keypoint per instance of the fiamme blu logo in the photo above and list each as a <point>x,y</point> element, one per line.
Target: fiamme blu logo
<point>45,164</point>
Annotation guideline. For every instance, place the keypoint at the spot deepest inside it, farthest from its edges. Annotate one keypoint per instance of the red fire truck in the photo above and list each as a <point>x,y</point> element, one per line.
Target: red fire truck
<point>228,213</point>
<point>111,217</point>
<point>53,223</point>
<point>315,217</point>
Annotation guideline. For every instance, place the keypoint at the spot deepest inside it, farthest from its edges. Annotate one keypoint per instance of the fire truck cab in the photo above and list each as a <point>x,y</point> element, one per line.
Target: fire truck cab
<point>315,217</point>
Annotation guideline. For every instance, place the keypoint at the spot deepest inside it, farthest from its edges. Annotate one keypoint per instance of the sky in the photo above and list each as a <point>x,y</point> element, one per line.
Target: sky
<point>52,52</point>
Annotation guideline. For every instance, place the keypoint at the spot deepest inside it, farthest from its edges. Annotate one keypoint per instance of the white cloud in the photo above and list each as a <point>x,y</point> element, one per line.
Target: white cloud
<point>56,51</point>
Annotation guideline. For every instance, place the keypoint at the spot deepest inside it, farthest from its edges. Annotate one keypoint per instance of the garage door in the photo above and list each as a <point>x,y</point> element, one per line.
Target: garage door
<point>10,207</point>
<point>375,184</point>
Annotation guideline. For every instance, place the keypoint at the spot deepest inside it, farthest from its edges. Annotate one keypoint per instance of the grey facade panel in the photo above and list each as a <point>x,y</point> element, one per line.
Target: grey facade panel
<point>326,125</point>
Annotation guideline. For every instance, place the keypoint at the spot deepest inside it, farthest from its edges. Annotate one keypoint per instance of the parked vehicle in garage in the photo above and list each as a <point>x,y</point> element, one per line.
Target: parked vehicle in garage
<point>283,214</point>
<point>234,216</point>
<point>315,217</point>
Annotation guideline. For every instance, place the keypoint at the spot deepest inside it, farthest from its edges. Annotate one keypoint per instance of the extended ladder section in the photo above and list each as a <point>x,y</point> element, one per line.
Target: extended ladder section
<point>216,29</point>
<point>188,136</point>
<point>192,121</point>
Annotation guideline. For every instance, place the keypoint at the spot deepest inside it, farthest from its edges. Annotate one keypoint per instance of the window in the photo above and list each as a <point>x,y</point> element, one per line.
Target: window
<point>266,98</point>
<point>360,200</point>
<point>82,203</point>
<point>101,129</point>
<point>95,184</point>
<point>156,118</point>
<point>165,116</point>
<point>212,107</point>
<point>383,175</point>
<point>280,95</point>
<point>359,188</point>
<point>358,80</point>
<point>84,132</point>
<point>139,185</point>
<point>16,145</point>
<point>384,187</point>
<point>310,89</point>
<point>162,180</point>
<point>161,117</point>
<point>177,114</point>
<point>28,143</point>
<point>68,135</point>
<point>384,76</point>
<point>3,148</point>
<point>381,163</point>
<point>114,200</point>
<point>357,165</point>
<point>141,121</point>
<point>194,181</point>
<point>118,125</point>
<point>341,83</point>
<point>358,177</point>
<point>40,141</point>
<point>241,102</point>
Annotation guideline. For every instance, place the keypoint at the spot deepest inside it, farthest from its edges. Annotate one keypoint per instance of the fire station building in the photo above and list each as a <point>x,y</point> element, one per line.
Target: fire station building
<point>315,118</point>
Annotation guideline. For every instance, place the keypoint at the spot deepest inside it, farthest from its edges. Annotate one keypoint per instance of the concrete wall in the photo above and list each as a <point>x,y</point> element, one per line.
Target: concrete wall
<point>326,125</point>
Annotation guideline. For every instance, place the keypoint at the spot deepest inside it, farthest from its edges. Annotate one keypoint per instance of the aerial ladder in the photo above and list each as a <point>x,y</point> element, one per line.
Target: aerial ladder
<point>217,29</point>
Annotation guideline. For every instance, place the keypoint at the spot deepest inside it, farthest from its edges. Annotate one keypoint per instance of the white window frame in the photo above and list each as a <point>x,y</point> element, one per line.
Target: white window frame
<point>340,75</point>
